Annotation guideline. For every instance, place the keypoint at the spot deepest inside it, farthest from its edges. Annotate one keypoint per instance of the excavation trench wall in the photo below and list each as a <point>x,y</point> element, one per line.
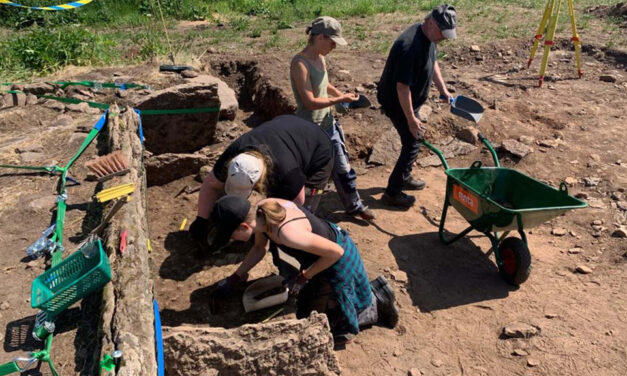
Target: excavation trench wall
<point>128,319</point>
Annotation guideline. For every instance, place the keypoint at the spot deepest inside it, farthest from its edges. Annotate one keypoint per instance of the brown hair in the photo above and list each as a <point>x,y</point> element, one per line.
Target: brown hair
<point>271,212</point>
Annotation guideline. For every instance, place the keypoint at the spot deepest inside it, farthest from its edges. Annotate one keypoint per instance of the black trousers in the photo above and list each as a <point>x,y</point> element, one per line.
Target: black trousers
<point>409,152</point>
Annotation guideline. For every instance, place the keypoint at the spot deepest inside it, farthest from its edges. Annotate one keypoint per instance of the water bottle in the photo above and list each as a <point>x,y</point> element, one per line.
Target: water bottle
<point>37,249</point>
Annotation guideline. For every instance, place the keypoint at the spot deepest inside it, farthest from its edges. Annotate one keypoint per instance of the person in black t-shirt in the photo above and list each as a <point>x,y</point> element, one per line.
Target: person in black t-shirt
<point>404,87</point>
<point>287,157</point>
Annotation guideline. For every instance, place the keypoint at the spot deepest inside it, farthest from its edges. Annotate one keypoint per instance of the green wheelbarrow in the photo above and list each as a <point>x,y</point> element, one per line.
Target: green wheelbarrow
<point>499,200</point>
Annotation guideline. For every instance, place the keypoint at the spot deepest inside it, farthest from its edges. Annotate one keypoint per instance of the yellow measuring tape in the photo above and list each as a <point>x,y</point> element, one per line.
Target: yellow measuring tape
<point>72,5</point>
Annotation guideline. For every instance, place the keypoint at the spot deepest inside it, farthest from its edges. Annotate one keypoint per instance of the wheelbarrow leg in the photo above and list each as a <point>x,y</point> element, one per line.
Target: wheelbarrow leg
<point>443,237</point>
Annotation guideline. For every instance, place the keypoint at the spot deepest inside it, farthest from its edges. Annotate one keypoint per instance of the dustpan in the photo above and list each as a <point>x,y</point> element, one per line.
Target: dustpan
<point>251,299</point>
<point>466,108</point>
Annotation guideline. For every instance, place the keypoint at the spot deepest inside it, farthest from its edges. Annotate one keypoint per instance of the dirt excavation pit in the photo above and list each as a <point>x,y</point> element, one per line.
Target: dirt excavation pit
<point>225,340</point>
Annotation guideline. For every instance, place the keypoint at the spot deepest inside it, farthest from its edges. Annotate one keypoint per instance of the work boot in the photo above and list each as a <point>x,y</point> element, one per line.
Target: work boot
<point>412,184</point>
<point>400,200</point>
<point>386,302</point>
<point>364,213</point>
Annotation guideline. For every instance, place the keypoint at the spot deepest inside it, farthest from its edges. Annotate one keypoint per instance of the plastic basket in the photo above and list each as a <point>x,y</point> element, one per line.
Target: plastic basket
<point>83,272</point>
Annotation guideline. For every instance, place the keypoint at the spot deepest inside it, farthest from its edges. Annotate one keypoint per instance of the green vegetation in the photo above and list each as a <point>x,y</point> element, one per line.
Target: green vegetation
<point>131,31</point>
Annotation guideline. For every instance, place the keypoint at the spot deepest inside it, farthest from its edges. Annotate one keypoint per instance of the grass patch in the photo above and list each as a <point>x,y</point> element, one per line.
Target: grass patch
<point>44,51</point>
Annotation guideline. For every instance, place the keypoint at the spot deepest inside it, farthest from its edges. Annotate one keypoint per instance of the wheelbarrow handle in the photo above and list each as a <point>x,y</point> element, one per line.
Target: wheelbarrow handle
<point>492,151</point>
<point>437,152</point>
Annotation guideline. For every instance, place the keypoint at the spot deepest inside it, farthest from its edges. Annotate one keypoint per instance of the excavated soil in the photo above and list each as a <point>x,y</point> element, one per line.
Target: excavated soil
<point>454,306</point>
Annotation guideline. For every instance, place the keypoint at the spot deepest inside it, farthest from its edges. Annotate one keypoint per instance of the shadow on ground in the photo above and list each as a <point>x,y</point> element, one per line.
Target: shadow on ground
<point>441,276</point>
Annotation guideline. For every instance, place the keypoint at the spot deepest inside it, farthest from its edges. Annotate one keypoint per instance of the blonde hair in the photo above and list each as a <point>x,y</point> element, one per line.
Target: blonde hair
<point>271,212</point>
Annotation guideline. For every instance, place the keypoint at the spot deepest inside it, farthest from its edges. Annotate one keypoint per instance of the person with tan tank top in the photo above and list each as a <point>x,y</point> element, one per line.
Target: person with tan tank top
<point>314,98</point>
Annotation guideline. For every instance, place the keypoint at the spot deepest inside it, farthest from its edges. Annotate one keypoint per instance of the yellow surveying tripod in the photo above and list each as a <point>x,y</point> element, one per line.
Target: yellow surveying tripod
<point>551,14</point>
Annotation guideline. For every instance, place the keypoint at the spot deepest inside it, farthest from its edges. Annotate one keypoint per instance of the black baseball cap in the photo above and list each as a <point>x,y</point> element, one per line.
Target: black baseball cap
<point>446,18</point>
<point>228,213</point>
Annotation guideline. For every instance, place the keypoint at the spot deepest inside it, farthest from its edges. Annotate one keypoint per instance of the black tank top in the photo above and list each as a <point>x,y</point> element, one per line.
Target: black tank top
<point>319,227</point>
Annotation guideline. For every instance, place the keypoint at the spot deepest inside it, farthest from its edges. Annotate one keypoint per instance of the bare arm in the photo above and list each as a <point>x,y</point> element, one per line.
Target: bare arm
<point>256,254</point>
<point>209,192</point>
<point>404,97</point>
<point>334,92</point>
<point>439,82</point>
<point>295,236</point>
<point>300,198</point>
<point>299,74</point>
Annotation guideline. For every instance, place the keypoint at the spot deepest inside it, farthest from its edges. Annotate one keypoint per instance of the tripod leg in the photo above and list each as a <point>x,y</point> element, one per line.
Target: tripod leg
<point>545,18</point>
<point>548,42</point>
<point>575,38</point>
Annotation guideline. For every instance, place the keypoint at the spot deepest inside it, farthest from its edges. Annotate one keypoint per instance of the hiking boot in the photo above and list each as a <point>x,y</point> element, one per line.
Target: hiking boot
<point>386,302</point>
<point>412,184</point>
<point>340,340</point>
<point>400,200</point>
<point>364,213</point>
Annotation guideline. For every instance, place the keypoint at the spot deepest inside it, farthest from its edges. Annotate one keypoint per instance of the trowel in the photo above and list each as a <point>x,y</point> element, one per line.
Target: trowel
<point>465,107</point>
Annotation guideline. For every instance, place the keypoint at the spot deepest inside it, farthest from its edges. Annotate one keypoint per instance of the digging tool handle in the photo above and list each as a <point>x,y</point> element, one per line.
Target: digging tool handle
<point>450,100</point>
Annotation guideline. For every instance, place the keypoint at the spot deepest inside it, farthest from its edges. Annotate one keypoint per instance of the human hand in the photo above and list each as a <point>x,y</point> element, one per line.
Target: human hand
<point>446,97</point>
<point>349,97</point>
<point>224,289</point>
<point>416,128</point>
<point>295,284</point>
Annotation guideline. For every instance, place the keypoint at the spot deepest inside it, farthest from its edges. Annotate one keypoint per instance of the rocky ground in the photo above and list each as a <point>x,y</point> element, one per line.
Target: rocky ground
<point>457,315</point>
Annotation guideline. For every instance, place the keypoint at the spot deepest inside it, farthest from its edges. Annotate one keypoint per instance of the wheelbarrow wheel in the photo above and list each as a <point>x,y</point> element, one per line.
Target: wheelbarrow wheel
<point>516,265</point>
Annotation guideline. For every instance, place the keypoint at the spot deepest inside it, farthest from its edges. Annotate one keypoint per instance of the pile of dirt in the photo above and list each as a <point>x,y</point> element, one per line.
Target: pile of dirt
<point>618,11</point>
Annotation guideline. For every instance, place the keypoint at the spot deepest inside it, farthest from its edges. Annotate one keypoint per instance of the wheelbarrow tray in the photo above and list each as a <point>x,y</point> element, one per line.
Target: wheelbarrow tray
<point>499,199</point>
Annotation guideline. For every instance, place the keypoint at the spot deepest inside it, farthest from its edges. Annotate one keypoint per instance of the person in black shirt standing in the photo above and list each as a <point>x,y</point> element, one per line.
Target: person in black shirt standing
<point>404,87</point>
<point>286,157</point>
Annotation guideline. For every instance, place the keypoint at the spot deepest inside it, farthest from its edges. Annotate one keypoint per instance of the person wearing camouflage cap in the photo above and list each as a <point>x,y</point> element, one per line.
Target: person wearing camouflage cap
<point>404,87</point>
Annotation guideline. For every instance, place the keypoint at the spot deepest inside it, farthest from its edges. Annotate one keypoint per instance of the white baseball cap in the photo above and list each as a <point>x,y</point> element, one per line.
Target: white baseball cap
<point>244,172</point>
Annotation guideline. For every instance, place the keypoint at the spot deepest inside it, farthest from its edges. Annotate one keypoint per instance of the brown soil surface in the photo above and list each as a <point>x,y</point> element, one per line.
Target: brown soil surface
<point>453,303</point>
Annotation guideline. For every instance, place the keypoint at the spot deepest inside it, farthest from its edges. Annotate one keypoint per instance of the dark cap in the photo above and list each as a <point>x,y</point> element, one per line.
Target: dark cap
<point>446,18</point>
<point>228,213</point>
<point>328,26</point>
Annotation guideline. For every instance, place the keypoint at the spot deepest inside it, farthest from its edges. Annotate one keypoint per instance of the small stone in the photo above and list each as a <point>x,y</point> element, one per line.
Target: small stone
<point>570,181</point>
<point>574,251</point>
<point>397,353</point>
<point>400,276</point>
<point>581,195</point>
<point>520,330</point>
<point>54,105</point>
<point>549,143</point>
<point>4,306</point>
<point>360,89</point>
<point>121,93</point>
<point>437,363</point>
<point>620,232</point>
<point>559,231</point>
<point>527,140</point>
<point>516,148</point>
<point>344,71</point>
<point>591,182</point>
<point>32,157</point>
<point>479,58</point>
<point>475,48</point>
<point>424,112</point>
<point>520,352</point>
<point>607,78</point>
<point>583,269</point>
<point>188,73</point>
<point>211,50</point>
<point>532,362</point>
<point>414,372</point>
<point>32,264</point>
<point>469,135</point>
<point>550,315</point>
<point>622,205</point>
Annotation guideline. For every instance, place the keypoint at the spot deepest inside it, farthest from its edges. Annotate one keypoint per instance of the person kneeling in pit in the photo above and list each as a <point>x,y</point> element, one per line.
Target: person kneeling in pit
<point>332,277</point>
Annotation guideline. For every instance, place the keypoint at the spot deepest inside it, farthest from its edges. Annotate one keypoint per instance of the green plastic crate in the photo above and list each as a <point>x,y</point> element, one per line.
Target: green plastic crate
<point>83,272</point>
